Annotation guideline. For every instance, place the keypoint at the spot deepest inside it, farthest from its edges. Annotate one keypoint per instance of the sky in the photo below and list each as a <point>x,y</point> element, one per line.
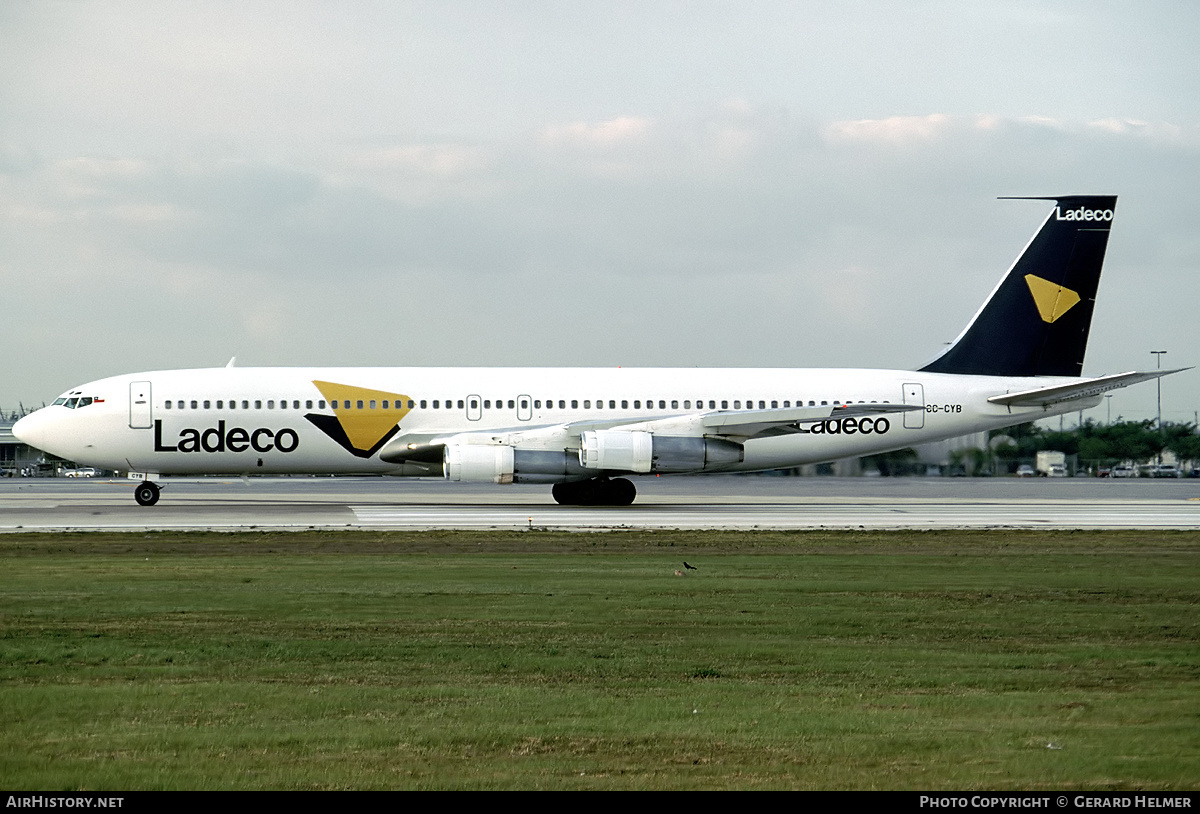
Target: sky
<point>752,184</point>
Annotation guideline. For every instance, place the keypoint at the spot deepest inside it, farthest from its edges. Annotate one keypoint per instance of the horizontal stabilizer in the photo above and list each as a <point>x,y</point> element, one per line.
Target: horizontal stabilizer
<point>1084,388</point>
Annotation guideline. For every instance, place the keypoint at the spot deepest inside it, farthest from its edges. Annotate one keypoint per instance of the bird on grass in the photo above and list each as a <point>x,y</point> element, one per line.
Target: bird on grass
<point>689,567</point>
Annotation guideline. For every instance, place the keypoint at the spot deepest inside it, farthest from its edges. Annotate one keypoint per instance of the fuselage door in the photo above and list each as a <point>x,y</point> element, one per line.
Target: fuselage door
<point>914,394</point>
<point>524,408</point>
<point>141,415</point>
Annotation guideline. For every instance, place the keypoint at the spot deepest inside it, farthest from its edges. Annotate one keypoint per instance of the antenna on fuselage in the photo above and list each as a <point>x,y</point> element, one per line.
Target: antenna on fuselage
<point>232,362</point>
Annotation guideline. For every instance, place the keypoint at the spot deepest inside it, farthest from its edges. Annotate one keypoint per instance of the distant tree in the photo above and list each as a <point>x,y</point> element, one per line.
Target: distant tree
<point>1182,440</point>
<point>973,460</point>
<point>1026,439</point>
<point>1065,441</point>
<point>1122,441</point>
<point>1006,455</point>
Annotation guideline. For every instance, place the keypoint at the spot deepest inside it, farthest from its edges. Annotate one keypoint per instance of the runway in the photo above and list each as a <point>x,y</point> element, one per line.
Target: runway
<point>717,502</point>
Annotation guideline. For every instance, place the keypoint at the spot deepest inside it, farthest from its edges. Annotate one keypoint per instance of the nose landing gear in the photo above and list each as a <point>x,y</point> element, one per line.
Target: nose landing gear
<point>146,493</point>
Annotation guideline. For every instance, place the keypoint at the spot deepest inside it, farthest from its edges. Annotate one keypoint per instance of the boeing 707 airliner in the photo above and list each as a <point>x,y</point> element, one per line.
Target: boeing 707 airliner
<point>587,430</point>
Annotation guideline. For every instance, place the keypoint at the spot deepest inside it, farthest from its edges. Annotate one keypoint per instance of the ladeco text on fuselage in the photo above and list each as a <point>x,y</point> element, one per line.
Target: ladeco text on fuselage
<point>235,439</point>
<point>848,426</point>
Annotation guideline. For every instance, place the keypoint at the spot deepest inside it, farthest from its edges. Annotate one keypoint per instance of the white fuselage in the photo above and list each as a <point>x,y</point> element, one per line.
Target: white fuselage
<point>278,420</point>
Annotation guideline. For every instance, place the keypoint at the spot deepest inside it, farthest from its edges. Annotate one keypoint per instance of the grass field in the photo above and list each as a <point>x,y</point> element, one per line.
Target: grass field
<point>330,660</point>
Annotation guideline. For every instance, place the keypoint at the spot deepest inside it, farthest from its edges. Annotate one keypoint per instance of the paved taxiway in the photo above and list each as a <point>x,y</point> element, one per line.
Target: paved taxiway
<point>726,502</point>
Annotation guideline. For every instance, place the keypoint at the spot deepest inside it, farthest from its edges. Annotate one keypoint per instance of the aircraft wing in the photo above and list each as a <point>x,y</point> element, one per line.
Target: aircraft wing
<point>1084,388</point>
<point>428,447</point>
<point>737,425</point>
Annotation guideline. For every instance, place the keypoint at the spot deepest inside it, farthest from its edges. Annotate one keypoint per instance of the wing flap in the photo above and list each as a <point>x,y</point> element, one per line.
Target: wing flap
<point>765,423</point>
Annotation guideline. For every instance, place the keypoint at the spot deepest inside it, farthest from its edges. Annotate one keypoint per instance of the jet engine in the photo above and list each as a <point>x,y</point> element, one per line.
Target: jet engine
<point>625,451</point>
<point>495,463</point>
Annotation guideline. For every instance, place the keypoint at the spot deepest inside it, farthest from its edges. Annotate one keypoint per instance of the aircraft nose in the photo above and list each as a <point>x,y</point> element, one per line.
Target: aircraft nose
<point>33,429</point>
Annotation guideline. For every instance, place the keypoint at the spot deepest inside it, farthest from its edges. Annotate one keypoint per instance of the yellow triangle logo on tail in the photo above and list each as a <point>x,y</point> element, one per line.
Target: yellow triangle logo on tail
<point>1052,300</point>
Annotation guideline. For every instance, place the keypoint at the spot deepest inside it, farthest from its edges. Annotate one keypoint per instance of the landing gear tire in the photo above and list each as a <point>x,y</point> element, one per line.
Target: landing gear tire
<point>146,493</point>
<point>621,492</point>
<point>595,492</point>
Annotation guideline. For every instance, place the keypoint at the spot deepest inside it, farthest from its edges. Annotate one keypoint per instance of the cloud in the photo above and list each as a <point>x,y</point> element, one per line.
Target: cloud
<point>605,134</point>
<point>734,234</point>
<point>892,130</point>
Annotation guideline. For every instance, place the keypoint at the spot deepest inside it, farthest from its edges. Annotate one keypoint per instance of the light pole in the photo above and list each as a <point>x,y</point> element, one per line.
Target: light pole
<point>1158,355</point>
<point>1108,404</point>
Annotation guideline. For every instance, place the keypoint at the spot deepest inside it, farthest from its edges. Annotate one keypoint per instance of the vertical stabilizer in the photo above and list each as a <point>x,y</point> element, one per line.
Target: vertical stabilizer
<point>1036,321</point>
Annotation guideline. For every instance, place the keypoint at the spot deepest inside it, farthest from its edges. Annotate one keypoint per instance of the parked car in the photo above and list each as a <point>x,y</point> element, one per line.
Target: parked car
<point>1025,471</point>
<point>1164,471</point>
<point>82,472</point>
<point>1124,471</point>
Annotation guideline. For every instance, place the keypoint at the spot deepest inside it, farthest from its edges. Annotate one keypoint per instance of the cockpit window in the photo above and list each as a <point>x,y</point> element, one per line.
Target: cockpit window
<point>70,405</point>
<point>85,401</point>
<point>60,400</point>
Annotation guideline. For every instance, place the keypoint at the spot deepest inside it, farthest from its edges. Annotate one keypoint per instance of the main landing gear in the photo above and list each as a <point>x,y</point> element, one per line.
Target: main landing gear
<point>595,492</point>
<point>146,493</point>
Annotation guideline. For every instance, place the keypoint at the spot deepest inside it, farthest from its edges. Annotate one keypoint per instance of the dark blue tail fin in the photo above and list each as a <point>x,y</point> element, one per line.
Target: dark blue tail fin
<point>1036,321</point>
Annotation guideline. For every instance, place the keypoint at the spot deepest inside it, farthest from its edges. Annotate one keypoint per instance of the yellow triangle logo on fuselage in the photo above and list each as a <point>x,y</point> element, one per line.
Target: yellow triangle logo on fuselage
<point>365,415</point>
<point>1052,300</point>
